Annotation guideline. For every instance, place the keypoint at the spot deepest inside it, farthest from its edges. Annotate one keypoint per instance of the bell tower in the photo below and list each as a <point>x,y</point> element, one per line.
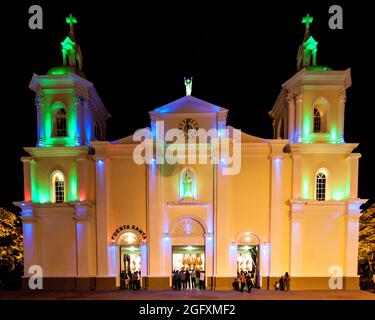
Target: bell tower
<point>311,104</point>
<point>69,110</point>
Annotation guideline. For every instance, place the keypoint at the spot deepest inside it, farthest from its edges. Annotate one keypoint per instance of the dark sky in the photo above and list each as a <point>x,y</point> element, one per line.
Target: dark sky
<point>137,56</point>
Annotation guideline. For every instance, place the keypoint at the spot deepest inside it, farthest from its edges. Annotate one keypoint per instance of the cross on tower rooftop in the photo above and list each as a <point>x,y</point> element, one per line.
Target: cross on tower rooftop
<point>307,20</point>
<point>71,21</point>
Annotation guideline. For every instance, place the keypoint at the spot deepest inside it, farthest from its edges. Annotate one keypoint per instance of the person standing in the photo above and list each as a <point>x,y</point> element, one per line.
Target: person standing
<point>242,281</point>
<point>179,280</point>
<point>183,279</point>
<point>187,279</point>
<point>287,281</point>
<point>281,283</point>
<point>249,282</point>
<point>201,280</point>
<point>193,279</point>
<point>138,280</point>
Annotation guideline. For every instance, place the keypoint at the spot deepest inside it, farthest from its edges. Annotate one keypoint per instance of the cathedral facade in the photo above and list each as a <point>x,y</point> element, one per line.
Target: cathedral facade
<point>93,212</point>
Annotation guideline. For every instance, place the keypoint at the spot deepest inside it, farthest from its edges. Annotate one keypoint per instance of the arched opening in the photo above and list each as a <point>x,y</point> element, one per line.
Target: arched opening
<point>57,187</point>
<point>248,256</point>
<point>188,187</point>
<point>321,184</point>
<point>317,121</point>
<point>59,120</point>
<point>130,261</point>
<point>320,115</point>
<point>188,254</point>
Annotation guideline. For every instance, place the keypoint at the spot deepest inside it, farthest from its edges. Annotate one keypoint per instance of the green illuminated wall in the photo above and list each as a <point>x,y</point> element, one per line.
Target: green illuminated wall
<point>41,180</point>
<point>47,110</point>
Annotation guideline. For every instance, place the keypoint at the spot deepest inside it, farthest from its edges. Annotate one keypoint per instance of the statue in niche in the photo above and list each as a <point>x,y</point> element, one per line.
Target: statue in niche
<point>187,186</point>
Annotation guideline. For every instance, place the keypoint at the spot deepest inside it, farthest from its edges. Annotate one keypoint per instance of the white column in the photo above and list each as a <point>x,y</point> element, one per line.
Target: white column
<point>30,239</point>
<point>297,176</point>
<point>264,256</point>
<point>233,256</point>
<point>102,215</point>
<point>299,111</point>
<point>28,162</point>
<point>296,238</point>
<point>144,264</point>
<point>352,232</point>
<point>114,262</point>
<point>86,265</point>
<point>154,228</point>
<point>354,157</point>
<point>82,178</point>
<point>277,232</point>
<point>222,238</point>
<point>39,100</point>
<point>291,118</point>
<point>208,247</point>
<point>78,104</point>
<point>341,115</point>
<point>166,257</point>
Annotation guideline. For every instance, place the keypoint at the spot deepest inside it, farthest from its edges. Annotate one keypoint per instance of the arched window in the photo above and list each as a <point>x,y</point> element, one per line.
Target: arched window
<point>60,121</point>
<point>57,187</point>
<point>320,185</point>
<point>317,121</point>
<point>320,112</point>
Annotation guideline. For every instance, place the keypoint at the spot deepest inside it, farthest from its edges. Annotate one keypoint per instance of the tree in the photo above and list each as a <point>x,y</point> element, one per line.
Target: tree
<point>11,241</point>
<point>366,249</point>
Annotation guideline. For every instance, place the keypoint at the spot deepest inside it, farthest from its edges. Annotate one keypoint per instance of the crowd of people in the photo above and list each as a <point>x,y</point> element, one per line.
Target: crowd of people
<point>283,284</point>
<point>243,279</point>
<point>131,280</point>
<point>188,279</point>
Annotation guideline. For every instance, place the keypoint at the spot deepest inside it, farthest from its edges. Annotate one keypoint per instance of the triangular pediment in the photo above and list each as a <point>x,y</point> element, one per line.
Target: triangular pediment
<point>189,104</point>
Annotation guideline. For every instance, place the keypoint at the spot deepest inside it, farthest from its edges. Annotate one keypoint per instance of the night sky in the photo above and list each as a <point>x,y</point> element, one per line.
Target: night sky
<point>138,55</point>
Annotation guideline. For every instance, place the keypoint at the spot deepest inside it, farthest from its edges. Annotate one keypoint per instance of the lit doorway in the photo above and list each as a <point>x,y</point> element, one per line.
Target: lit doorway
<point>248,262</point>
<point>188,267</point>
<point>130,261</point>
<point>188,258</point>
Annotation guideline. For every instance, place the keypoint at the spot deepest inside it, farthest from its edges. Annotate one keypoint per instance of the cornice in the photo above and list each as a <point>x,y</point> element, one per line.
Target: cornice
<point>332,148</point>
<point>38,152</point>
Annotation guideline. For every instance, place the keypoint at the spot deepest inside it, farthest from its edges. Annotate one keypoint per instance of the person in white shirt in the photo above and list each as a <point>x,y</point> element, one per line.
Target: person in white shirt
<point>201,280</point>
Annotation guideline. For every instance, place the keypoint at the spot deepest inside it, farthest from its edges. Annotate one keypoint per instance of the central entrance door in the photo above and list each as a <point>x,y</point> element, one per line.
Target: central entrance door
<point>188,258</point>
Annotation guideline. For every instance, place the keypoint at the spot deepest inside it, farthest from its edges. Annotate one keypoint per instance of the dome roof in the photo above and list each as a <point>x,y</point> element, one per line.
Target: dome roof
<point>62,70</point>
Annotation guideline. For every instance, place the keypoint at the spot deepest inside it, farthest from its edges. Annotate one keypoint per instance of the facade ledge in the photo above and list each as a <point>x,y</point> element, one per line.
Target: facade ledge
<point>187,203</point>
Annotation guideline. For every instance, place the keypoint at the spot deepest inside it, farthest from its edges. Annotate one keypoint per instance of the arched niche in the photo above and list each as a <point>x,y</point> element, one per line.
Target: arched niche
<point>188,176</point>
<point>321,107</point>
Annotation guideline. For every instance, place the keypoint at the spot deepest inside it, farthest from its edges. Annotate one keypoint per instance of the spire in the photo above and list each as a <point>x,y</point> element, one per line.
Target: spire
<point>71,21</point>
<point>188,85</point>
<point>307,20</point>
<point>308,49</point>
<point>71,51</point>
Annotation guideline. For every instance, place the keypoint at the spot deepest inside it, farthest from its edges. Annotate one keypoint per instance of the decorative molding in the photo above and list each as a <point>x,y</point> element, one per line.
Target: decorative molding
<point>188,226</point>
<point>57,151</point>
<point>187,203</point>
<point>329,148</point>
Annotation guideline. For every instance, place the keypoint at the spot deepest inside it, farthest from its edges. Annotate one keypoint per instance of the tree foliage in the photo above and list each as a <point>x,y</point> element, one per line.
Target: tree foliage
<point>11,240</point>
<point>366,249</point>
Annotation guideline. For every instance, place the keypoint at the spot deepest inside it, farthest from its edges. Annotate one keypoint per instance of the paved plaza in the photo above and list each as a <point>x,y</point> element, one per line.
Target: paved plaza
<point>187,295</point>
